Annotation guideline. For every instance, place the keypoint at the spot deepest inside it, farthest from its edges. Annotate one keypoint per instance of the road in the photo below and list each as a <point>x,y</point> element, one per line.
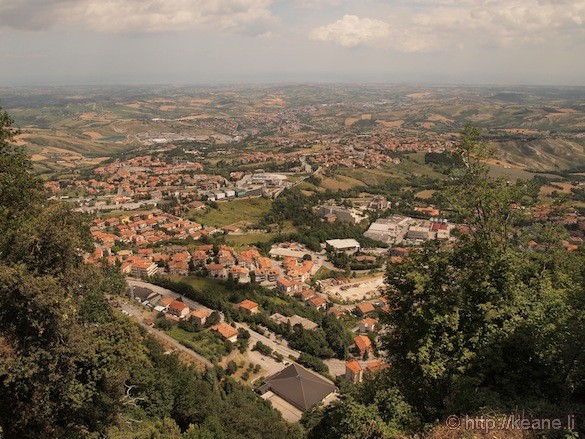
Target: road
<point>135,311</point>
<point>281,349</point>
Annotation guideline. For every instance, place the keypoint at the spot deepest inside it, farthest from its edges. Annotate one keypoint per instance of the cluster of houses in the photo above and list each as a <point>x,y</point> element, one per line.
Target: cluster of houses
<point>145,180</point>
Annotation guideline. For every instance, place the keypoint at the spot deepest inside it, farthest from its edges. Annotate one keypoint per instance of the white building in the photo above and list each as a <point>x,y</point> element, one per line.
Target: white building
<point>344,245</point>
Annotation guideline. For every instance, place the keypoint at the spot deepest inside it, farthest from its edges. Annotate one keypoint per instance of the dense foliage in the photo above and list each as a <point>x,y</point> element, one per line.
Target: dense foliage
<point>70,366</point>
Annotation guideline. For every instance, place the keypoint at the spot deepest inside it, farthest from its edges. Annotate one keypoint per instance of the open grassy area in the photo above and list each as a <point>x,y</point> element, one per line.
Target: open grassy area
<point>511,173</point>
<point>323,273</point>
<point>370,177</point>
<point>341,182</point>
<point>248,239</point>
<point>200,283</point>
<point>205,343</point>
<point>426,194</point>
<point>237,211</point>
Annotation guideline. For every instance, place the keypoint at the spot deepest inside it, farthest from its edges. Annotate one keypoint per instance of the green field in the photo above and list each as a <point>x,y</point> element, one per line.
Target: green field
<point>230,212</point>
<point>248,239</point>
<point>200,283</point>
<point>205,343</point>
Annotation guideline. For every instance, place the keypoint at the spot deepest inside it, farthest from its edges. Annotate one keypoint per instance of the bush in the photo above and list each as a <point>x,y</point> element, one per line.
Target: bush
<point>242,345</point>
<point>163,324</point>
<point>262,348</point>
<point>213,319</point>
<point>246,376</point>
<point>313,362</point>
<point>231,368</point>
<point>190,325</point>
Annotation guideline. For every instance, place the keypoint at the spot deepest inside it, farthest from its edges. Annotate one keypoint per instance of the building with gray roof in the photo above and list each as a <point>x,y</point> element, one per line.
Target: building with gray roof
<point>299,387</point>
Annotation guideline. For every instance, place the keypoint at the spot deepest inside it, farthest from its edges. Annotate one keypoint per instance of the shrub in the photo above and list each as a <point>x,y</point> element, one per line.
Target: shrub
<point>262,348</point>
<point>163,324</point>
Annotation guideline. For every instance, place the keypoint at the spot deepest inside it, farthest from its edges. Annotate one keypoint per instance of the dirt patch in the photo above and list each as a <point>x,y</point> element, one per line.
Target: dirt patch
<point>562,188</point>
<point>418,95</point>
<point>350,121</point>
<point>439,118</point>
<point>426,194</point>
<point>391,123</point>
<point>92,134</point>
<point>274,102</point>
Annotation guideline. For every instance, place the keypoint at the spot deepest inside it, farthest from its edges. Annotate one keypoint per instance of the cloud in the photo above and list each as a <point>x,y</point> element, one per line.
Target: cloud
<point>248,16</point>
<point>444,25</point>
<point>351,31</point>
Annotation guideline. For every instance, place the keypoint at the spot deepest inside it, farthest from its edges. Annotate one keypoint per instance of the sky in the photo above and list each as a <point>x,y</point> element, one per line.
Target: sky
<point>76,42</point>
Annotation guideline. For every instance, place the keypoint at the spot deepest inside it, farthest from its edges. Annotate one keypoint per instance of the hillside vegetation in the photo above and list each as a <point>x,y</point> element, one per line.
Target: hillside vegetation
<point>71,366</point>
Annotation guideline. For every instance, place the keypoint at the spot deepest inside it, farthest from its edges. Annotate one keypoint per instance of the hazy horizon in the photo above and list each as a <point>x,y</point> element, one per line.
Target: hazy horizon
<point>193,42</point>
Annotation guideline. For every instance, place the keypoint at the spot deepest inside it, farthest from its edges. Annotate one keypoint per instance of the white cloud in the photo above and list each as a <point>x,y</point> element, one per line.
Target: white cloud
<point>440,25</point>
<point>250,16</point>
<point>351,31</point>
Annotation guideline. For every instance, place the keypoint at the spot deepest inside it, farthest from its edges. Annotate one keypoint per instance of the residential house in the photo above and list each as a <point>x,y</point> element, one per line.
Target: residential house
<point>217,270</point>
<point>179,309</point>
<point>165,302</point>
<point>294,320</point>
<point>143,268</point>
<point>362,309</point>
<point>353,372</point>
<point>226,332</point>
<point>376,365</point>
<point>367,325</point>
<point>317,302</point>
<point>363,345</point>
<point>180,268</point>
<point>241,274</point>
<point>248,307</point>
<point>378,203</point>
<point>200,316</point>
<point>306,294</point>
<point>287,286</point>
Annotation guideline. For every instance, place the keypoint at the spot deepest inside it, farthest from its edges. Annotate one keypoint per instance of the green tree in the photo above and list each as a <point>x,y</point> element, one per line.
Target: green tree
<point>485,324</point>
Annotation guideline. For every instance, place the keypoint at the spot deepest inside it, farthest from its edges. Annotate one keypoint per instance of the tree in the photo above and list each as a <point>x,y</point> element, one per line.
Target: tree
<point>351,420</point>
<point>20,191</point>
<point>213,319</point>
<point>480,325</point>
<point>483,203</point>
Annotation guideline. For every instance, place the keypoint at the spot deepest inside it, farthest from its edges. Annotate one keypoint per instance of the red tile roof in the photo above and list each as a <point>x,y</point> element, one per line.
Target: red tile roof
<point>354,366</point>
<point>248,305</point>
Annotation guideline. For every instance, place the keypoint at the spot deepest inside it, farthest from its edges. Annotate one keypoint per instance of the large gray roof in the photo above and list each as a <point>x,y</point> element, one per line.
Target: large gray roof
<point>299,386</point>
